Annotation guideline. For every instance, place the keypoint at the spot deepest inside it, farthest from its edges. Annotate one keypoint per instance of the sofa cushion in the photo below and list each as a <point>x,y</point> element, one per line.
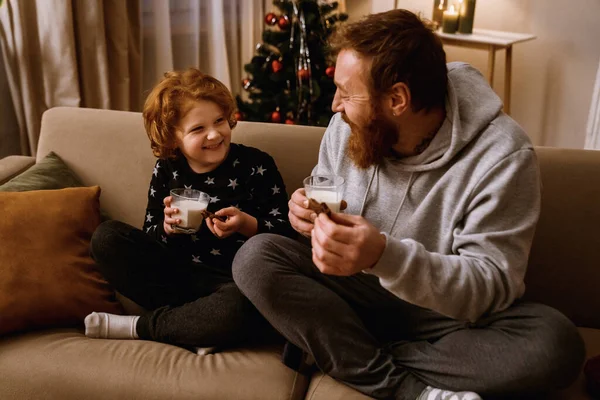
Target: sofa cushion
<point>64,364</point>
<point>47,277</point>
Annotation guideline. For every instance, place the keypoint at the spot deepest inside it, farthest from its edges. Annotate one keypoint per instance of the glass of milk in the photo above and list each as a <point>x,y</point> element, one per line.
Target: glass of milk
<point>328,189</point>
<point>190,203</point>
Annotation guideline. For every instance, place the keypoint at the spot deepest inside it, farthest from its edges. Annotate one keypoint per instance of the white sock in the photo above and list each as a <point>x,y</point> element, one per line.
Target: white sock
<point>431,393</point>
<point>202,351</point>
<point>111,326</point>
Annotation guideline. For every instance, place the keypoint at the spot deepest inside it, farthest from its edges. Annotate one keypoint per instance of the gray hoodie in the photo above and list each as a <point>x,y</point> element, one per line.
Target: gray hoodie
<point>458,218</point>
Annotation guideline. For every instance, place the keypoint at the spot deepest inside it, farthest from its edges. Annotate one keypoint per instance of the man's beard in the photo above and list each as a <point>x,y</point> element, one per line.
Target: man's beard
<point>371,143</point>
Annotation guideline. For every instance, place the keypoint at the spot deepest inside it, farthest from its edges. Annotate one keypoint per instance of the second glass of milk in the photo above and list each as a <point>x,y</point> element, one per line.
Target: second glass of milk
<point>328,189</point>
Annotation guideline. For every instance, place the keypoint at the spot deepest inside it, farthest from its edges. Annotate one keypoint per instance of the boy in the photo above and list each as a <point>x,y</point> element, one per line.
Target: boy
<point>185,280</point>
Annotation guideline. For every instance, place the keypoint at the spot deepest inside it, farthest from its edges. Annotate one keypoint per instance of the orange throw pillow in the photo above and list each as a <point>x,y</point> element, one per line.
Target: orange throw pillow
<point>47,277</point>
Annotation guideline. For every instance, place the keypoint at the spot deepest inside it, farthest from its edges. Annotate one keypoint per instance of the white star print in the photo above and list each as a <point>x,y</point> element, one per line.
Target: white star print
<point>274,212</point>
<point>253,171</point>
<point>194,238</point>
<point>149,218</point>
<point>275,189</point>
<point>209,180</point>
<point>187,187</point>
<point>155,171</point>
<point>236,162</point>
<point>280,220</point>
<point>241,241</point>
<point>175,174</point>
<point>214,199</point>
<point>148,229</point>
<point>215,252</point>
<point>152,191</point>
<point>163,238</point>
<point>196,259</point>
<point>260,170</point>
<point>233,183</point>
<point>268,224</point>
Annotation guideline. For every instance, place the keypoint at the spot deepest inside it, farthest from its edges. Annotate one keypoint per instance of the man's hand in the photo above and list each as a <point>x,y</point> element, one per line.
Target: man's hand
<point>345,244</point>
<point>301,217</point>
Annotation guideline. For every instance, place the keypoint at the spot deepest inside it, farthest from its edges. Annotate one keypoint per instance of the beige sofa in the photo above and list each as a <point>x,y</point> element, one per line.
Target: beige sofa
<point>110,149</point>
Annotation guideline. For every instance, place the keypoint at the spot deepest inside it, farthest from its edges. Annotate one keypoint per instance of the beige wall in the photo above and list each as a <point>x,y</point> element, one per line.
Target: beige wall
<point>553,76</point>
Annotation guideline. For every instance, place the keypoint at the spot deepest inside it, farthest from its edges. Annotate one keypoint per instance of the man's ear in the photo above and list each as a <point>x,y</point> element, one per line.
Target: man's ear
<point>399,98</point>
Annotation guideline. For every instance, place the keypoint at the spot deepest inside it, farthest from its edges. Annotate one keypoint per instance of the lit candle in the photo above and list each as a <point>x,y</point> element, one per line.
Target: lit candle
<point>467,15</point>
<point>450,20</point>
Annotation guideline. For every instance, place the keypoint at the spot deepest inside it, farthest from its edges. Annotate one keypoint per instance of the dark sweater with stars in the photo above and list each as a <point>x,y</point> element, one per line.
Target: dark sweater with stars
<point>247,179</point>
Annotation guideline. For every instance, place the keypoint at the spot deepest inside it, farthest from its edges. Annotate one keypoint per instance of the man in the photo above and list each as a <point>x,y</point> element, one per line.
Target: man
<point>413,292</point>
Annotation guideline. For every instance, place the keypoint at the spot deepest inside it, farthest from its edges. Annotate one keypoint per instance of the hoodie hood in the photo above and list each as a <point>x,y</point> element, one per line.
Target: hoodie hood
<point>471,105</point>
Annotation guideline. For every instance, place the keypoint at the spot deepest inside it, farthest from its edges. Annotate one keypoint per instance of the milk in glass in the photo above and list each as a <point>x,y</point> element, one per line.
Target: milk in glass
<point>332,199</point>
<point>190,213</point>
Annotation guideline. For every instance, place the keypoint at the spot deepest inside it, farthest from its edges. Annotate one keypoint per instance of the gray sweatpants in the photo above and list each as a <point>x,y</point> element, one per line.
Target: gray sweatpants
<point>362,335</point>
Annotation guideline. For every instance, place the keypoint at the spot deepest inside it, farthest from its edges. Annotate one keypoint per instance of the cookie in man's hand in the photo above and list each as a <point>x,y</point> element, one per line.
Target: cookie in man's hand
<point>323,207</point>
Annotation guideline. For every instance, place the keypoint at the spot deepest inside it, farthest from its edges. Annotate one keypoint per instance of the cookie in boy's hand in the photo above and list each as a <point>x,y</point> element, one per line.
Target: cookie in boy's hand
<point>211,215</point>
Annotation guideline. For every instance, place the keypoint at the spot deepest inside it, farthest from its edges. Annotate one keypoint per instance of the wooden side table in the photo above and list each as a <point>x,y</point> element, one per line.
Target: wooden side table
<point>491,41</point>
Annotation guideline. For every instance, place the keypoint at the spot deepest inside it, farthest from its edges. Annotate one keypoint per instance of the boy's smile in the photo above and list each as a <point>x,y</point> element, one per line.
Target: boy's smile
<point>204,136</point>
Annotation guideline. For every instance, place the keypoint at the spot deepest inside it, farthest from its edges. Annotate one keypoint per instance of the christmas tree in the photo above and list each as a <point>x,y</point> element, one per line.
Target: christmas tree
<point>290,77</point>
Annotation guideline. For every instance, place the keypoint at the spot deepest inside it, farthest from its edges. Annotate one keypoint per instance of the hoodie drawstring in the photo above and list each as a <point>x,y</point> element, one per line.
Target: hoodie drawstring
<point>364,200</point>
<point>410,182</point>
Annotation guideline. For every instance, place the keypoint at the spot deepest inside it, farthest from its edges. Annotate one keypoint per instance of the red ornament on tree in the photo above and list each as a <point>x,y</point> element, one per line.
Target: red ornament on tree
<point>246,83</point>
<point>239,116</point>
<point>303,74</point>
<point>276,66</point>
<point>284,22</point>
<point>271,19</point>
<point>330,71</point>
<point>290,121</point>
<point>275,117</point>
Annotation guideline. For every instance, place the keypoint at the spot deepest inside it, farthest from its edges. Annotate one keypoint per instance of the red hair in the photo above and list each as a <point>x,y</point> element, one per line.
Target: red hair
<point>171,99</point>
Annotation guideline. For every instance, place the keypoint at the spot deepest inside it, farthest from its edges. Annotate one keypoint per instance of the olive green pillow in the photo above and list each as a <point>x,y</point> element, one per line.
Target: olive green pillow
<point>50,173</point>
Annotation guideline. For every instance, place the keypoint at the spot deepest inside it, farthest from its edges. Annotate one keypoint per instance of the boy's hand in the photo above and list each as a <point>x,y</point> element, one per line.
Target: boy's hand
<point>237,221</point>
<point>169,218</point>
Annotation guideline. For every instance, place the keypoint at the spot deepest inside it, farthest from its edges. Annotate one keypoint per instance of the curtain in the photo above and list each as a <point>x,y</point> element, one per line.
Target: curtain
<point>593,127</point>
<point>216,36</point>
<point>81,53</point>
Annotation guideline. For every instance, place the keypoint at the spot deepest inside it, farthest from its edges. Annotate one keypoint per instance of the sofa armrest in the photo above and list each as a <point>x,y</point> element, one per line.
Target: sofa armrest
<point>12,166</point>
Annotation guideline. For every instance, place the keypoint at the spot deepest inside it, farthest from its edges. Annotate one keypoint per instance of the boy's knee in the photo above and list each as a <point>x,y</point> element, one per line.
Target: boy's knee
<point>105,237</point>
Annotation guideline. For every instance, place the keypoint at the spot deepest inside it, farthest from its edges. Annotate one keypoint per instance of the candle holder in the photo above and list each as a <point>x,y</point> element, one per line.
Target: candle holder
<point>467,15</point>
<point>439,6</point>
